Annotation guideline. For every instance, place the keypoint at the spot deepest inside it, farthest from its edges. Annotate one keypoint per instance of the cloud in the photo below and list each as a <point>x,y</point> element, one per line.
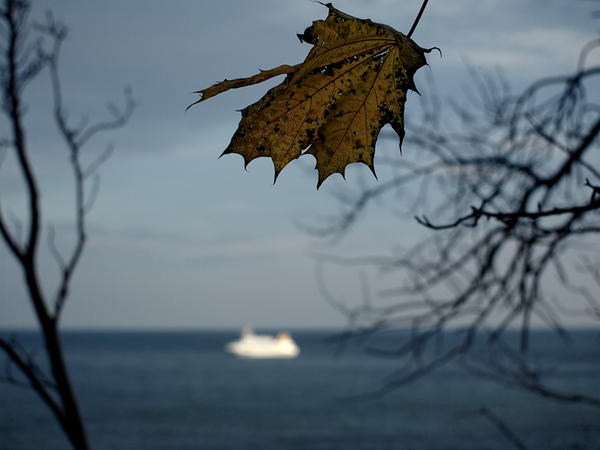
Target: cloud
<point>556,44</point>
<point>536,52</point>
<point>189,234</point>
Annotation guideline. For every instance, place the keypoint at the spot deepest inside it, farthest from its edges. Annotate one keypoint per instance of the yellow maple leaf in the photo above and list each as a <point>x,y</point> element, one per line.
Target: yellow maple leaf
<point>333,105</point>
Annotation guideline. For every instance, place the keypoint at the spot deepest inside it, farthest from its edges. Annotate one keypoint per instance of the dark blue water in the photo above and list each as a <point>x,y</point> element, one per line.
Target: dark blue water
<point>182,391</point>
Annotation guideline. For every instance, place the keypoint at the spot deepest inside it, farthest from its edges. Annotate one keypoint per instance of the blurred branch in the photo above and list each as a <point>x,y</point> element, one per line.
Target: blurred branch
<point>75,138</point>
<point>22,60</point>
<point>499,424</point>
<point>511,369</point>
<point>34,375</point>
<point>528,165</point>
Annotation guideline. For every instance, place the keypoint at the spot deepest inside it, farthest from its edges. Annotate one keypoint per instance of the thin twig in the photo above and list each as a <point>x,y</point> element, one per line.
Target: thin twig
<point>414,25</point>
<point>35,381</point>
<point>497,422</point>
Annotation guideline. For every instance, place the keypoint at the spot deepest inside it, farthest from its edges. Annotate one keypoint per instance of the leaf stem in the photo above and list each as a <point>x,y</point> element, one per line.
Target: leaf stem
<point>414,25</point>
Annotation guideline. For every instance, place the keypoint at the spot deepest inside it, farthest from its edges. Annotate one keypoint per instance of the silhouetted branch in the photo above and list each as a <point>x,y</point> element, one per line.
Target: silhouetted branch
<point>510,217</point>
<point>22,61</point>
<point>8,238</point>
<point>100,159</point>
<point>54,251</point>
<point>75,138</point>
<point>511,369</point>
<point>510,186</point>
<point>499,424</point>
<point>36,379</point>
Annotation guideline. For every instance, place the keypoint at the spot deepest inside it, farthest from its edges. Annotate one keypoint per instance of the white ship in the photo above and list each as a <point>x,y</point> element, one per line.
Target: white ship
<point>252,345</point>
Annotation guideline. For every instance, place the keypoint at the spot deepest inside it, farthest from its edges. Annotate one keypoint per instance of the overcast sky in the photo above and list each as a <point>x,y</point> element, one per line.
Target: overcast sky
<point>182,239</point>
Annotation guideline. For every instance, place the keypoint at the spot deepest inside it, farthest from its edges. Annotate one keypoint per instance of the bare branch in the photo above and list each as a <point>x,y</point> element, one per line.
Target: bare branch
<point>75,139</point>
<point>499,424</point>
<point>14,17</point>
<point>9,239</point>
<point>527,164</point>
<point>120,118</point>
<point>22,60</point>
<point>100,159</point>
<point>4,144</point>
<point>32,373</point>
<point>93,195</point>
<point>54,250</point>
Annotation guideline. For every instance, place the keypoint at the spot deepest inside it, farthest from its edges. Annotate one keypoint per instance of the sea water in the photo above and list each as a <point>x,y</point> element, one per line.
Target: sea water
<point>181,390</point>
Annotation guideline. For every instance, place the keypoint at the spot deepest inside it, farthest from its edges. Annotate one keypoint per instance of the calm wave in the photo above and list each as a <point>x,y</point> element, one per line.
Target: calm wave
<point>181,390</point>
